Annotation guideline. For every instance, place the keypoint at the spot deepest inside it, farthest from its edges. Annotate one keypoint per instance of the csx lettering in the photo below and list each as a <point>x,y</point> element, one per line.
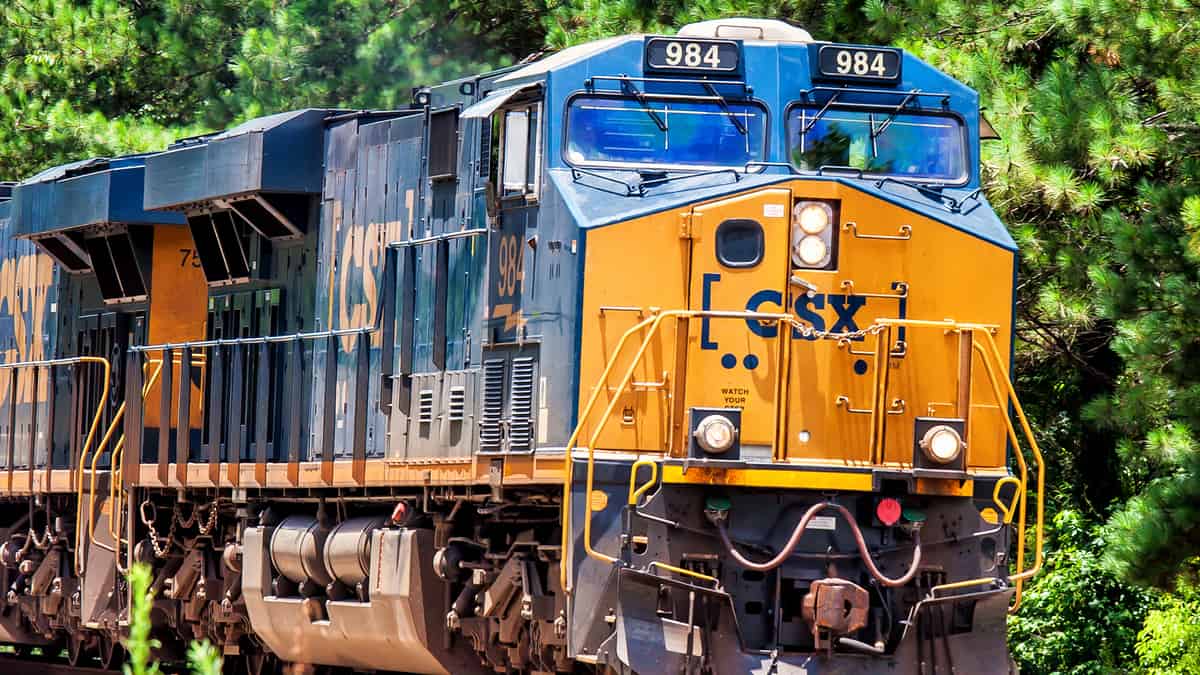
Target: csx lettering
<point>806,308</point>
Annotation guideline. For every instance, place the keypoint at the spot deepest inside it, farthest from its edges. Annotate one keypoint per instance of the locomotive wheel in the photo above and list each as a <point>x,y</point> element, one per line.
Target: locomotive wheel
<point>109,653</point>
<point>75,648</point>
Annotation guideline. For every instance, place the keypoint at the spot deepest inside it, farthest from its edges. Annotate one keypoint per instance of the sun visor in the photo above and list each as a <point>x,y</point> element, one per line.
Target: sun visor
<point>484,109</point>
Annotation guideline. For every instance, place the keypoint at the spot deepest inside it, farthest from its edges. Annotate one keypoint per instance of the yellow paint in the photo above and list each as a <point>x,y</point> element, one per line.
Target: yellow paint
<point>643,263</point>
<point>649,263</point>
<point>945,488</point>
<point>778,478</point>
<point>24,287</point>
<point>599,500</point>
<point>178,312</point>
<point>711,384</point>
<point>990,516</point>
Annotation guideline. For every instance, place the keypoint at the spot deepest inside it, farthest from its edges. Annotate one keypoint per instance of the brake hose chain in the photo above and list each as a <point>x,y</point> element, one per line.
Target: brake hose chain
<point>160,551</point>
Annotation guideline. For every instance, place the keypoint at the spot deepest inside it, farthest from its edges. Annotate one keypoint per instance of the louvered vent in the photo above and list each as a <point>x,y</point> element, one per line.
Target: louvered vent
<point>491,435</point>
<point>457,406</point>
<point>425,407</point>
<point>520,406</point>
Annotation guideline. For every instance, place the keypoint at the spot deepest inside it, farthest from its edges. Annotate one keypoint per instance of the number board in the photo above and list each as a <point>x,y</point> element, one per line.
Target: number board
<point>850,62</point>
<point>691,55</point>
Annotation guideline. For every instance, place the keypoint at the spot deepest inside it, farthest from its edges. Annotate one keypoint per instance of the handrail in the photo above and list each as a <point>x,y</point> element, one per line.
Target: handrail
<point>87,444</point>
<point>116,485</point>
<point>653,322</point>
<point>266,339</point>
<point>96,417</point>
<point>91,510</point>
<point>987,350</point>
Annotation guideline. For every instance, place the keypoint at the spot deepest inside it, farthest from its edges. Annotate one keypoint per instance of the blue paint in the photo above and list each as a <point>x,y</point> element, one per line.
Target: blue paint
<point>846,306</point>
<point>706,305</point>
<point>803,303</point>
<point>751,362</point>
<point>728,361</point>
<point>754,303</point>
<point>860,367</point>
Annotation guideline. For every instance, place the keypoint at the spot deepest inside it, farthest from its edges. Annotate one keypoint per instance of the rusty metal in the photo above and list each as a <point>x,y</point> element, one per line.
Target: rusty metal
<point>834,607</point>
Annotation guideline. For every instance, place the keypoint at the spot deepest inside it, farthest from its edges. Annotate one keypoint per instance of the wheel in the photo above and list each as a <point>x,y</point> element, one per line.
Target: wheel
<point>75,648</point>
<point>110,652</point>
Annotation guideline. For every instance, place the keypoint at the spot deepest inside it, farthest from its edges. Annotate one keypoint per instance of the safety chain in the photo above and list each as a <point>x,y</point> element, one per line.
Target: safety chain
<point>44,542</point>
<point>148,521</point>
<point>213,509</point>
<point>811,333</point>
<point>190,520</point>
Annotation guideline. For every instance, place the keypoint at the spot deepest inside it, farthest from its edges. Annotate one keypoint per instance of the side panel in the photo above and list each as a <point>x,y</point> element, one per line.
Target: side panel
<point>178,312</point>
<point>629,268</point>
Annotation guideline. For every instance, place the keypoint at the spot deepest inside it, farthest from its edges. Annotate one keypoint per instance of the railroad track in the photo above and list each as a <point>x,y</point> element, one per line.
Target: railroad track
<point>36,665</point>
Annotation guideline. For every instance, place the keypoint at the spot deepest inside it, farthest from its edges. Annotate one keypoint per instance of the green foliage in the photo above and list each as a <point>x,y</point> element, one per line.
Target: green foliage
<point>100,77</point>
<point>1078,618</point>
<point>139,644</point>
<point>1169,643</point>
<point>203,658</point>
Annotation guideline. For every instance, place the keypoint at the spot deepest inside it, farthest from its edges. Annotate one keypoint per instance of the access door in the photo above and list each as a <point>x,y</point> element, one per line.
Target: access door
<point>739,263</point>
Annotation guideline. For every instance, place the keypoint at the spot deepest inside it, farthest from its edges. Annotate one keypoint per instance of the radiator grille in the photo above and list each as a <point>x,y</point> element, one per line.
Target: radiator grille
<point>521,402</point>
<point>456,407</point>
<point>425,407</point>
<point>491,434</point>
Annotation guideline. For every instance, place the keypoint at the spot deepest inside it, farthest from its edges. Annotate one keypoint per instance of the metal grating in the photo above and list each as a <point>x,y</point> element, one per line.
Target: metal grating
<point>457,407</point>
<point>491,433</point>
<point>425,407</point>
<point>520,405</point>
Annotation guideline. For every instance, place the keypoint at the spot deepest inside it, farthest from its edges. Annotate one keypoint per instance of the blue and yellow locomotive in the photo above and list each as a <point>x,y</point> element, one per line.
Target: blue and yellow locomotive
<point>659,354</point>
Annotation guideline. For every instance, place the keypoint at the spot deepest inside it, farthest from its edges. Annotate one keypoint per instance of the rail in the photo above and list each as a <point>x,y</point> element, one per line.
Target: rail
<point>251,405</point>
<point>985,347</point>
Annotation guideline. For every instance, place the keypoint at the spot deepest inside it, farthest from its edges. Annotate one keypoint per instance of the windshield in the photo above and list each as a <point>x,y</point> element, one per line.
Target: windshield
<point>923,147</point>
<point>661,133</point>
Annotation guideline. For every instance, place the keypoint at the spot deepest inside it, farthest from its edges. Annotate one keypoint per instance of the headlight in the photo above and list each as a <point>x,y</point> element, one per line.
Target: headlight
<point>942,444</point>
<point>811,251</point>
<point>813,232</point>
<point>812,217</point>
<point>715,434</point>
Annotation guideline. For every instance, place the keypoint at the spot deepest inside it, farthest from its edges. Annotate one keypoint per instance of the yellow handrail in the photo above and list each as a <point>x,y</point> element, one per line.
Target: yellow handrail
<point>107,378</point>
<point>635,493</point>
<point>115,486</point>
<point>879,421</point>
<point>91,510</point>
<point>653,322</point>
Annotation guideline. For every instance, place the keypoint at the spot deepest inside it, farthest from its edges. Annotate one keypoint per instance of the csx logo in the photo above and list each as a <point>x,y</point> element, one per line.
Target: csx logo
<point>807,308</point>
<point>826,312</point>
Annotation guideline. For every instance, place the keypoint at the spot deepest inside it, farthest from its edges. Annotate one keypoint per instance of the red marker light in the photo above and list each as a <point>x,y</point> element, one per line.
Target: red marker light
<point>400,513</point>
<point>888,511</point>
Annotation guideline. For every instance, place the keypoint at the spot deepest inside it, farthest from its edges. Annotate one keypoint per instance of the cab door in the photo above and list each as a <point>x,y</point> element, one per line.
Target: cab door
<point>739,263</point>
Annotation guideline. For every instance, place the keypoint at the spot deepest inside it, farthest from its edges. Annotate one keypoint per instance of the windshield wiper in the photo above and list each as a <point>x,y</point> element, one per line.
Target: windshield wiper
<point>875,133</point>
<point>640,97</point>
<point>820,113</point>
<point>725,108</point>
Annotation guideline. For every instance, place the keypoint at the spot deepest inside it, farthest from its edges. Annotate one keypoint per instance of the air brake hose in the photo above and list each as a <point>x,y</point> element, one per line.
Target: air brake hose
<point>798,533</point>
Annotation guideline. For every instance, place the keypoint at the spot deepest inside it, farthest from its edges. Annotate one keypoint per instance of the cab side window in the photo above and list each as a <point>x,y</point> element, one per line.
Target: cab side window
<point>520,151</point>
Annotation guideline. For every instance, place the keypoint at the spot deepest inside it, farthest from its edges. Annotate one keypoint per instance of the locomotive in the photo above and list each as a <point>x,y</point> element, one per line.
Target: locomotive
<point>657,354</point>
